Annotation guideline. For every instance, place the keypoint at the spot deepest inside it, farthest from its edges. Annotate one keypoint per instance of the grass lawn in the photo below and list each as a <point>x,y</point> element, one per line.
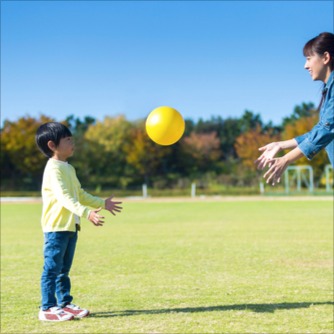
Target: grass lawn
<point>181,267</point>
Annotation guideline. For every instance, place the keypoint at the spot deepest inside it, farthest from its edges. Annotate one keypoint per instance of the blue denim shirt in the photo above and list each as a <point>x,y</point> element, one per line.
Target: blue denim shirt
<point>322,134</point>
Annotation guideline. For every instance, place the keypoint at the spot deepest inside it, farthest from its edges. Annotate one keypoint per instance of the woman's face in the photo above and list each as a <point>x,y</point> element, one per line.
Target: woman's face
<point>316,65</point>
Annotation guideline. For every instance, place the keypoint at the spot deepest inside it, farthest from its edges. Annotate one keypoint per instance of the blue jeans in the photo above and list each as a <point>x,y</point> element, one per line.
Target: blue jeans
<point>59,248</point>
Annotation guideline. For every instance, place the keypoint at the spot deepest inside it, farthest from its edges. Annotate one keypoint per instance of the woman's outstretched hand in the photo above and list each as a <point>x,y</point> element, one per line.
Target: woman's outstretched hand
<point>269,152</point>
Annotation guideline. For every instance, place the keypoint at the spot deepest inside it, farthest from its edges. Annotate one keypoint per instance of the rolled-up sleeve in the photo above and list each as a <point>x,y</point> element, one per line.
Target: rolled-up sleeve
<point>322,133</point>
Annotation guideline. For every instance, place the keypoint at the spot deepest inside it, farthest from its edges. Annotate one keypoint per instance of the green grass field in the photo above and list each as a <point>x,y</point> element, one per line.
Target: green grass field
<point>182,267</point>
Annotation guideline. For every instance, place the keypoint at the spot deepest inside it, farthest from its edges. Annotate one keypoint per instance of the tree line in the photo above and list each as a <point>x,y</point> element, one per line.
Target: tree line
<point>117,153</point>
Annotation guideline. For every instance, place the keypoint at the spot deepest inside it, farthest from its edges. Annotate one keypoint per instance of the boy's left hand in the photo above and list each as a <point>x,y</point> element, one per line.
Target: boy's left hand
<point>112,206</point>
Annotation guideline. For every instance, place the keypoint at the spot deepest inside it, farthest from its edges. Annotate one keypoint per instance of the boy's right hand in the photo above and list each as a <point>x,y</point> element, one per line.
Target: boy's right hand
<point>95,218</point>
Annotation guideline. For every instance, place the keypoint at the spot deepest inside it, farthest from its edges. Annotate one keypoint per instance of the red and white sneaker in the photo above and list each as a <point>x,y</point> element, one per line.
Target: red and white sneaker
<point>76,311</point>
<point>54,314</point>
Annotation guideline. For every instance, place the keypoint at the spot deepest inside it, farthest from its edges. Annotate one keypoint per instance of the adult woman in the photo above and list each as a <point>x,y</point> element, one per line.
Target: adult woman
<point>319,53</point>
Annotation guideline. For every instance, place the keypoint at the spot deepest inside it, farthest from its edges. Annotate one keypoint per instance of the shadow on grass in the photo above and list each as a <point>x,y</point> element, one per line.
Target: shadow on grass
<point>261,308</point>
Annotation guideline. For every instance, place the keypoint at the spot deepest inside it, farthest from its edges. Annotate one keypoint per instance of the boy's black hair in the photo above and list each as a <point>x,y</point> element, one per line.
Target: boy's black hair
<point>50,131</point>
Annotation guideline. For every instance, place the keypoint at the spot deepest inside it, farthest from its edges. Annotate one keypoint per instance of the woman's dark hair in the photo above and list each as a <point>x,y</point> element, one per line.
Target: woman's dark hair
<point>51,131</point>
<point>320,44</point>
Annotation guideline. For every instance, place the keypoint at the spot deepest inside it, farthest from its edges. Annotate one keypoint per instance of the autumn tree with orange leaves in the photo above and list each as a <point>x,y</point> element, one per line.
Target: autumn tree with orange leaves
<point>247,145</point>
<point>201,150</point>
<point>299,127</point>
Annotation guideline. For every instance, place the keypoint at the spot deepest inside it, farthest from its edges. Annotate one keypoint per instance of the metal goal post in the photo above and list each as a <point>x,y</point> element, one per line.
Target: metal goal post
<point>300,176</point>
<point>329,178</point>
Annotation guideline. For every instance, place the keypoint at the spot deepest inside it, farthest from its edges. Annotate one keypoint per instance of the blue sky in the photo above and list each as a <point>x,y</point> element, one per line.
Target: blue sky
<point>204,58</point>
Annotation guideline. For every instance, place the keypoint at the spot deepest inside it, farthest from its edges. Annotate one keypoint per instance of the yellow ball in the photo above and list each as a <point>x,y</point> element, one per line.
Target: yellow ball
<point>165,125</point>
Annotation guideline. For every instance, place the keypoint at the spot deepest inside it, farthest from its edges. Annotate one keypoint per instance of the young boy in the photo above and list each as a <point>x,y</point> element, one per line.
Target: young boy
<point>64,203</point>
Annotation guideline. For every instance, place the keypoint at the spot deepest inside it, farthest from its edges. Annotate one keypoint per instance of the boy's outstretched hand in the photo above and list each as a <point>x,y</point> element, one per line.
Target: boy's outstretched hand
<point>112,206</point>
<point>95,218</point>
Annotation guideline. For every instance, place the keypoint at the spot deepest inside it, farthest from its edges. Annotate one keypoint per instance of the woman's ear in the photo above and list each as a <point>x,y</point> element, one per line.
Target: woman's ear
<point>51,145</point>
<point>326,58</point>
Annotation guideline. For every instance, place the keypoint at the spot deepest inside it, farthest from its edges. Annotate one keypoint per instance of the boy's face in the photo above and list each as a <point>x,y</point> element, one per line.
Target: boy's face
<point>65,149</point>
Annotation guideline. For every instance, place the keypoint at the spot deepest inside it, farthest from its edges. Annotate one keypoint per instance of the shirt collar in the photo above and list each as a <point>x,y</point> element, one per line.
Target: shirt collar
<point>330,79</point>
<point>58,161</point>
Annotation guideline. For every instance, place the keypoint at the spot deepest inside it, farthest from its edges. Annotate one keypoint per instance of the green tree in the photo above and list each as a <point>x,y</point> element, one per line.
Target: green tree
<point>80,159</point>
<point>105,151</point>
<point>303,110</point>
<point>22,163</point>
<point>77,126</point>
<point>250,121</point>
<point>145,158</point>
<point>201,152</point>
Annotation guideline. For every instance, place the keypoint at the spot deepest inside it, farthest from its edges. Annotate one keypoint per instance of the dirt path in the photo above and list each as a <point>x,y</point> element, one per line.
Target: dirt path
<point>4,200</point>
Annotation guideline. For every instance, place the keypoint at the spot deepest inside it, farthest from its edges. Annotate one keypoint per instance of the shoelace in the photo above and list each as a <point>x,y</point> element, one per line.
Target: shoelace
<point>73,307</point>
<point>57,310</point>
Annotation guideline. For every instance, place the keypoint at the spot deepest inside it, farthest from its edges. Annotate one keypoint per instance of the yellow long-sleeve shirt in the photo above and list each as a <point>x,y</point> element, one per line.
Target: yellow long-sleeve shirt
<point>64,201</point>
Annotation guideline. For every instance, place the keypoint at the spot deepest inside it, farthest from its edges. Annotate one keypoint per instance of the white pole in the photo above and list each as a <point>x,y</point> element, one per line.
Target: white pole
<point>193,190</point>
<point>298,179</point>
<point>328,188</point>
<point>311,179</point>
<point>144,190</point>
<point>286,179</point>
